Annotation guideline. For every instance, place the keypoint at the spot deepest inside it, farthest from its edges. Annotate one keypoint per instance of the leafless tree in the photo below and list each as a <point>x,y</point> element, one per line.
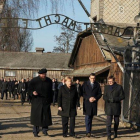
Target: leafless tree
<point>65,41</point>
<point>15,39</point>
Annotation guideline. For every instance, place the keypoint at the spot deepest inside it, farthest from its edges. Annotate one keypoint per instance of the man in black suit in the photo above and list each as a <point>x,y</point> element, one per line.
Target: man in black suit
<point>79,91</point>
<point>22,89</point>
<point>9,87</point>
<point>91,94</point>
<point>113,95</point>
<point>1,81</point>
<point>4,88</point>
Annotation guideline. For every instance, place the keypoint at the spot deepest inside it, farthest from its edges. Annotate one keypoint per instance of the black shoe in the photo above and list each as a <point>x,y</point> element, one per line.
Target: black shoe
<point>36,135</point>
<point>115,134</point>
<point>109,138</point>
<point>88,135</point>
<point>74,136</point>
<point>65,136</point>
<point>45,133</point>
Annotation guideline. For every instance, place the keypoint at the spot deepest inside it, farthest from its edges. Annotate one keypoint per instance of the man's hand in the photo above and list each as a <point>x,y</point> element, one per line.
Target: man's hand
<point>35,93</point>
<point>92,99</point>
<point>60,108</point>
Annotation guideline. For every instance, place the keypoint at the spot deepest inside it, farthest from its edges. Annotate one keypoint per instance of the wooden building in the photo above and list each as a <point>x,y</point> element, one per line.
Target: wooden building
<point>91,55</point>
<point>27,64</point>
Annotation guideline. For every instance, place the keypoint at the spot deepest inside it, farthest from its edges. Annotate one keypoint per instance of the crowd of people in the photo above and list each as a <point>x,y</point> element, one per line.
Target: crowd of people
<point>15,89</point>
<point>42,91</point>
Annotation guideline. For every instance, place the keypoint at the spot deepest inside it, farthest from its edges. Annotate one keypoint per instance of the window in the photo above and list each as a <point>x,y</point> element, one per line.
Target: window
<point>10,73</point>
<point>35,74</point>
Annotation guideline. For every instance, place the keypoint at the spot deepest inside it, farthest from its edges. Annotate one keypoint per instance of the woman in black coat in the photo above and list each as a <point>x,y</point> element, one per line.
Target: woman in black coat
<point>113,95</point>
<point>67,101</point>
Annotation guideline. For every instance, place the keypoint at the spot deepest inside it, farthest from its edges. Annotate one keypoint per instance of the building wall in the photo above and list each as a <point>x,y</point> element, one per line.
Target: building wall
<point>89,54</point>
<point>116,71</point>
<point>115,11</point>
<point>29,73</point>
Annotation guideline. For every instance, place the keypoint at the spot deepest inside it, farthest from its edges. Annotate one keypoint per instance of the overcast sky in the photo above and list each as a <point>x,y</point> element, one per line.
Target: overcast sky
<point>44,38</point>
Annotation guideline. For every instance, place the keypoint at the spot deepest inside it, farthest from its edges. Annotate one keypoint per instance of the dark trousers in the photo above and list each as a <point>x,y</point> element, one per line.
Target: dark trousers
<point>109,123</point>
<point>10,93</point>
<point>78,101</point>
<point>54,96</point>
<point>65,125</point>
<point>36,129</point>
<point>23,96</point>
<point>88,122</point>
<point>28,97</point>
<point>2,94</point>
<point>15,94</point>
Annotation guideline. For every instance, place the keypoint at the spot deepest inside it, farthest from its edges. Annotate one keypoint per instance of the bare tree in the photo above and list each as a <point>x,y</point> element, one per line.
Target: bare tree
<point>28,8</point>
<point>65,41</point>
<point>15,39</point>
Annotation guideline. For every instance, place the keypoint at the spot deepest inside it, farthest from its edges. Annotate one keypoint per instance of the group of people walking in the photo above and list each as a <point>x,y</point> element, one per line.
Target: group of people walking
<point>15,89</point>
<point>41,90</point>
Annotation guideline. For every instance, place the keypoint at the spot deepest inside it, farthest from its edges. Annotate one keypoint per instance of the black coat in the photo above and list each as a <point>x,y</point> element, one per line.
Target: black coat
<point>13,85</point>
<point>4,86</point>
<point>22,87</point>
<point>67,99</point>
<point>9,86</point>
<point>91,108</point>
<point>117,94</point>
<point>1,81</point>
<point>40,104</point>
<point>79,90</point>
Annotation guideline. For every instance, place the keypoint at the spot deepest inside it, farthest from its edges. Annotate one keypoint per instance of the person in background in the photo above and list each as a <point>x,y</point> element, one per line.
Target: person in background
<point>91,94</point>
<point>4,88</point>
<point>113,95</point>
<point>67,102</point>
<point>10,87</point>
<point>13,86</point>
<point>1,81</point>
<point>22,89</point>
<point>79,91</point>
<point>15,92</point>
<point>28,95</point>
<point>54,89</point>
<point>61,84</point>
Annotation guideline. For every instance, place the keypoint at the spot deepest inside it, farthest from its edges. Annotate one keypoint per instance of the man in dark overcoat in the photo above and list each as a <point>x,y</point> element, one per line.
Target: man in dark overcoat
<point>9,87</point>
<point>40,88</point>
<point>13,86</point>
<point>113,95</point>
<point>91,94</point>
<point>22,89</point>
<point>4,89</point>
<point>79,91</point>
<point>1,81</point>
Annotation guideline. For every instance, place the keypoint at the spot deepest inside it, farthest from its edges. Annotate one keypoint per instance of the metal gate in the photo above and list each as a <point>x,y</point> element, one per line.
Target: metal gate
<point>131,104</point>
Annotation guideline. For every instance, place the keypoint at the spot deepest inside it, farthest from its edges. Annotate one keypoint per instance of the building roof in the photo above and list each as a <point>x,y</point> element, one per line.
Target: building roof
<point>34,60</point>
<point>117,44</point>
<point>84,72</point>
